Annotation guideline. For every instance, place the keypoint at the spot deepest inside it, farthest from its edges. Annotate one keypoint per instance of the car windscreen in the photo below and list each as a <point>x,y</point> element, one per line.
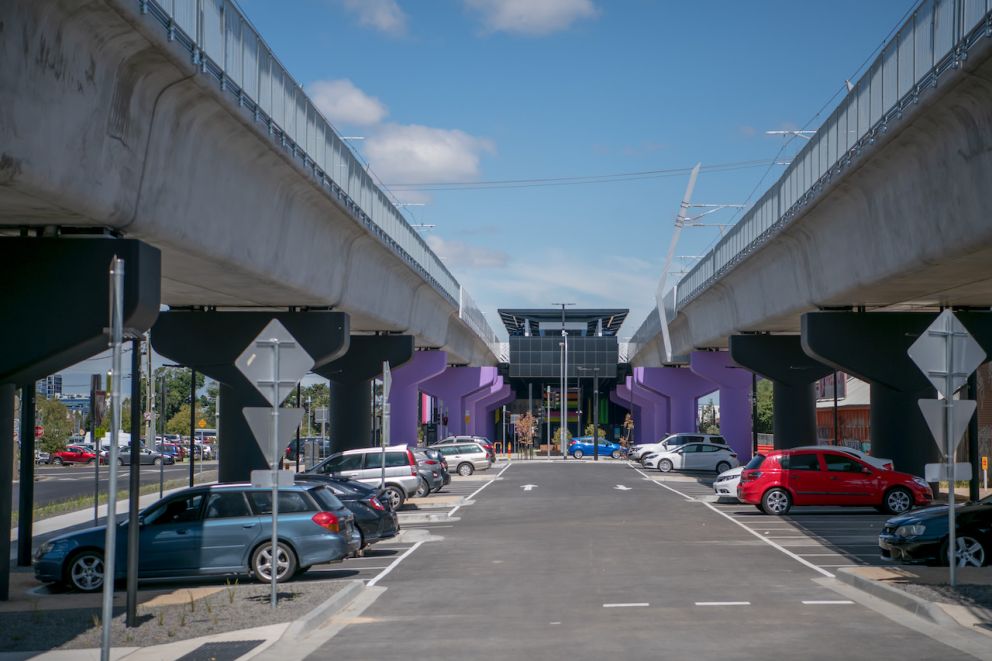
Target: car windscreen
<point>325,498</point>
<point>756,461</point>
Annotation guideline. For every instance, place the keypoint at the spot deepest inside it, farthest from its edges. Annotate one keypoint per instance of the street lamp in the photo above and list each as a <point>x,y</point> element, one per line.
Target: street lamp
<point>595,409</point>
<point>564,380</point>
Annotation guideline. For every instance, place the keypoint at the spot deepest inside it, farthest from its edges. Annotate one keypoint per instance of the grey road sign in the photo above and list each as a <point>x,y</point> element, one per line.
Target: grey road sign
<point>260,420</point>
<point>387,380</point>
<point>934,411</point>
<point>256,362</point>
<point>936,472</point>
<point>947,367</point>
<point>320,415</point>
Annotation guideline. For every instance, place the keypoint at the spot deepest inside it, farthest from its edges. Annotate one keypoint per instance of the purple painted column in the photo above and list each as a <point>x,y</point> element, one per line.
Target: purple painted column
<point>654,411</point>
<point>635,410</point>
<point>735,397</point>
<point>503,396</point>
<point>453,385</point>
<point>404,393</point>
<point>476,405</point>
<point>682,388</point>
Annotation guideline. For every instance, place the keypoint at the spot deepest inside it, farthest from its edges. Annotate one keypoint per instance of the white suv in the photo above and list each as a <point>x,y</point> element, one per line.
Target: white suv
<point>365,465</point>
<point>640,452</point>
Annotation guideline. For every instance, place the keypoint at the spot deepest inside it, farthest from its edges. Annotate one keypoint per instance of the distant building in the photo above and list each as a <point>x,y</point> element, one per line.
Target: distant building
<point>50,387</point>
<point>853,412</point>
<point>76,403</point>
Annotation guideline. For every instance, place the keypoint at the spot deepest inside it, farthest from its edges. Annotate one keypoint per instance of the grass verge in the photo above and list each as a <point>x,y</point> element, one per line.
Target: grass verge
<point>48,510</point>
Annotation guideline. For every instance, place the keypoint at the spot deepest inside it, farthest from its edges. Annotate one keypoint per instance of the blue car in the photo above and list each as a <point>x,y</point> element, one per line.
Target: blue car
<point>212,530</point>
<point>581,446</point>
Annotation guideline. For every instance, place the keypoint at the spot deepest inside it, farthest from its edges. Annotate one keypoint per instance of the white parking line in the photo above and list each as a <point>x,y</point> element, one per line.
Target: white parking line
<point>470,497</point>
<point>394,564</point>
<point>723,603</point>
<point>828,602</point>
<point>642,604</point>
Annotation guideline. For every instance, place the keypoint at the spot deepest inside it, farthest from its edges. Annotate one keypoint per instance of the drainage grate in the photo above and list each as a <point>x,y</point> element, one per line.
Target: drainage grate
<point>226,651</point>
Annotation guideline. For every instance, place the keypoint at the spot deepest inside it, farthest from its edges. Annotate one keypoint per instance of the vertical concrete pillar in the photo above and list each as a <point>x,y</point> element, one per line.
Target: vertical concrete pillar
<point>453,385</point>
<point>404,393</point>
<point>477,402</point>
<point>735,397</point>
<point>25,495</point>
<point>682,388</point>
<point>780,358</point>
<point>872,346</point>
<point>210,342</point>
<point>350,378</point>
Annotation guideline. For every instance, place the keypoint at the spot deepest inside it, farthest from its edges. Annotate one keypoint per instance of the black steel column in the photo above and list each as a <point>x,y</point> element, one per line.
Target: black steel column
<point>6,478</point>
<point>595,415</point>
<point>192,422</point>
<point>754,413</point>
<point>94,386</point>
<point>134,485</point>
<point>976,461</point>
<point>297,448</point>
<point>25,493</point>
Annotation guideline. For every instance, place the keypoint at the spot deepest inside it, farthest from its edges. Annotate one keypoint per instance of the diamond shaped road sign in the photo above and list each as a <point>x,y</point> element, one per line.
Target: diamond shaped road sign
<point>260,421</point>
<point>933,411</point>
<point>930,353</point>
<point>257,360</point>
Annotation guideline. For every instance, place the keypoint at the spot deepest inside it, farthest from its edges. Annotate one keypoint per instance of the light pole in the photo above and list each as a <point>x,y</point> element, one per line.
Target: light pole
<point>595,409</point>
<point>564,380</point>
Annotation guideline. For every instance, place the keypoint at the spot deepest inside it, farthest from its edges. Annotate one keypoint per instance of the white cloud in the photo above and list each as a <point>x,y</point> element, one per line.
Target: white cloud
<point>459,255</point>
<point>344,104</point>
<point>414,154</point>
<point>531,17</point>
<point>383,15</point>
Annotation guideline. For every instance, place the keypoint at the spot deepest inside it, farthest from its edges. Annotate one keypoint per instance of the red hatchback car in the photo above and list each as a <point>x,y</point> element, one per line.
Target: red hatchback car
<point>776,482</point>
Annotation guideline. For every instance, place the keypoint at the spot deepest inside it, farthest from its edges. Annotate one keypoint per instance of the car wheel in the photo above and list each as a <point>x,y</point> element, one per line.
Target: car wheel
<point>394,496</point>
<point>57,461</point>
<point>157,461</point>
<point>665,465</point>
<point>85,571</point>
<point>615,454</point>
<point>261,563</point>
<point>776,502</point>
<point>970,552</point>
<point>465,469</point>
<point>578,454</point>
<point>90,462</point>
<point>423,488</point>
<point>722,466</point>
<point>898,500</point>
<point>120,462</point>
<point>758,507</point>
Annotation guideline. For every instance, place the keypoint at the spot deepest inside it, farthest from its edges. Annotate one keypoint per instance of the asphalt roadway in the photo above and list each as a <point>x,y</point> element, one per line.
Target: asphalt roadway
<point>58,483</point>
<point>597,562</point>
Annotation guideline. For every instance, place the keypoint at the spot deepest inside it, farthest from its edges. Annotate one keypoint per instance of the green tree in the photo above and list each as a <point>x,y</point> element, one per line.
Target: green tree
<point>589,430</point>
<point>54,417</point>
<point>556,437</point>
<point>176,390</point>
<point>764,418</point>
<point>707,419</point>
<point>179,423</point>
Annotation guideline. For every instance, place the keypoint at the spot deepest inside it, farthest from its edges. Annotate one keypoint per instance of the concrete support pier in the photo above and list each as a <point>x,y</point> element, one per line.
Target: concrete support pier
<point>735,386</point>
<point>404,394</point>
<point>453,385</point>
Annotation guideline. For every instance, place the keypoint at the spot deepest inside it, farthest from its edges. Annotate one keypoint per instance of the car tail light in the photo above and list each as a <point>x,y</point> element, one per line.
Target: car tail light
<point>888,466</point>
<point>572,442</point>
<point>750,475</point>
<point>327,520</point>
<point>376,505</point>
<point>430,462</point>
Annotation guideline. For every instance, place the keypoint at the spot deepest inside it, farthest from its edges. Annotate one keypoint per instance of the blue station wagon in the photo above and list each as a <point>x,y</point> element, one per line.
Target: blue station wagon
<point>212,530</point>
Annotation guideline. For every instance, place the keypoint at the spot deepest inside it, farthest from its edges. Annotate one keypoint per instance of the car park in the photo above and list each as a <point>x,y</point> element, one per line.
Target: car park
<point>640,451</point>
<point>374,518</point>
<point>776,482</point>
<point>366,465</point>
<point>725,484</point>
<point>211,530</point>
<point>694,456</point>
<point>921,536</point>
<point>581,446</point>
<point>465,457</point>
<point>74,454</point>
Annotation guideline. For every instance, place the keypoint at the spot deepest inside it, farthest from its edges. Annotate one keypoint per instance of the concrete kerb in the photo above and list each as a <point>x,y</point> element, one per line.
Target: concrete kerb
<point>342,598</point>
<point>869,579</point>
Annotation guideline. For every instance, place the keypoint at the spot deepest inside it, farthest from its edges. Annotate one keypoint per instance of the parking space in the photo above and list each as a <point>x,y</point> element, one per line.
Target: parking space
<point>826,537</point>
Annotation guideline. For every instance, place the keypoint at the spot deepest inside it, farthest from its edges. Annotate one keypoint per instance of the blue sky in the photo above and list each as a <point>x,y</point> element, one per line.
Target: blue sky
<point>473,91</point>
<point>466,91</point>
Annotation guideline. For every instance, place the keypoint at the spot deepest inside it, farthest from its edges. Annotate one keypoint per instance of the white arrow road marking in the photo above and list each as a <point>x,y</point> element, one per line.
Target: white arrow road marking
<point>528,487</point>
<point>621,487</point>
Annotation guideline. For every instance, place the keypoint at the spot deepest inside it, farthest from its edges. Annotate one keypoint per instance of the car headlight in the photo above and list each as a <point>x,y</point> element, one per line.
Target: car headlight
<point>920,481</point>
<point>46,547</point>
<point>911,531</point>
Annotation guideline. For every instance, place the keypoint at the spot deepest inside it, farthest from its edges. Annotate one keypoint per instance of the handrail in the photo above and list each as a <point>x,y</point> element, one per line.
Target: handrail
<point>936,38</point>
<point>224,45</point>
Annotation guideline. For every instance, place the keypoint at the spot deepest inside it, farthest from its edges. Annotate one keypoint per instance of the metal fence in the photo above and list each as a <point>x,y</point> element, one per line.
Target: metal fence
<point>935,38</point>
<point>224,45</point>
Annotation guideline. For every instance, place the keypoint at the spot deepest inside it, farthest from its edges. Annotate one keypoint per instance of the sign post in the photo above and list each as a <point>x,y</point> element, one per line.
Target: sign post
<point>387,383</point>
<point>274,363</point>
<point>985,472</point>
<point>947,354</point>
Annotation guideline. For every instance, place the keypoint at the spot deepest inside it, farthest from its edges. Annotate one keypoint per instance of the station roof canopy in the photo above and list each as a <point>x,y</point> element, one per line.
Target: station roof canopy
<point>577,321</point>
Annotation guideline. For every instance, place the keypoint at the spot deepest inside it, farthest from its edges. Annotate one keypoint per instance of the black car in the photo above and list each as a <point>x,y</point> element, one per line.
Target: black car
<point>374,517</point>
<point>921,535</point>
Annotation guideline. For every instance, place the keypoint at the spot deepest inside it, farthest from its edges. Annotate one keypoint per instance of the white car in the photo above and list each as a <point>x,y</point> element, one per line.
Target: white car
<point>694,457</point>
<point>877,462</point>
<point>639,452</point>
<point>726,482</point>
